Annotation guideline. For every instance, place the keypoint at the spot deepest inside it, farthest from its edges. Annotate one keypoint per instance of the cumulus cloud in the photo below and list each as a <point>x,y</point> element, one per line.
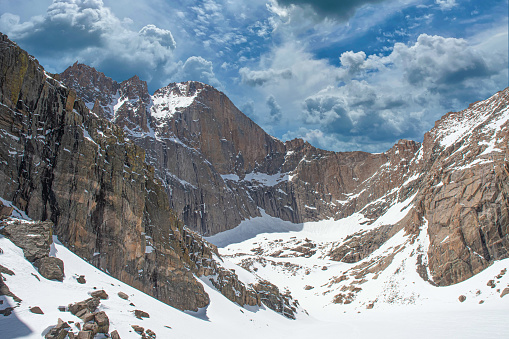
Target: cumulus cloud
<point>370,101</point>
<point>259,78</point>
<point>341,10</point>
<point>158,35</point>
<point>198,69</point>
<point>88,31</point>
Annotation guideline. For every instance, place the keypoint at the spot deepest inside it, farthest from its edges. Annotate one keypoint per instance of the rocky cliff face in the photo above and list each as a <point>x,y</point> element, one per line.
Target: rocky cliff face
<point>61,162</point>
<point>217,165</point>
<point>220,168</point>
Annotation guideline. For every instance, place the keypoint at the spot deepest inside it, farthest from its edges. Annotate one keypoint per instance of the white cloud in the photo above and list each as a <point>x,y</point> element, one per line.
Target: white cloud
<point>198,69</point>
<point>370,101</point>
<point>446,4</point>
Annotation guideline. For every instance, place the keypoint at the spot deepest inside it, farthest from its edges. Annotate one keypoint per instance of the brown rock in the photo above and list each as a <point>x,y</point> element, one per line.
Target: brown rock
<point>60,331</point>
<point>115,335</point>
<point>50,268</point>
<point>89,304</point>
<point>150,333</point>
<point>36,310</point>
<point>308,287</point>
<point>138,329</point>
<point>101,294</point>
<point>504,292</point>
<point>85,335</point>
<point>462,298</point>
<point>81,279</point>
<point>102,321</point>
<point>141,314</point>
<point>37,245</point>
<point>123,295</point>
<point>91,327</point>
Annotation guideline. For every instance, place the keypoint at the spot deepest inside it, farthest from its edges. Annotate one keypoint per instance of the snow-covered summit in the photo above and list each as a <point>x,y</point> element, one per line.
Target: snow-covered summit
<point>175,96</point>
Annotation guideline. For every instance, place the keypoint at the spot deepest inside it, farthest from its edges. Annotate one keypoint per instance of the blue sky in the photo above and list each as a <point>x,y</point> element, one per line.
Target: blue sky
<point>344,75</point>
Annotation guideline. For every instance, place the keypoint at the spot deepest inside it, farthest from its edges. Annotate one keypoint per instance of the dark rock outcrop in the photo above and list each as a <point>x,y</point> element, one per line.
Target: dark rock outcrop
<point>50,268</point>
<point>271,297</point>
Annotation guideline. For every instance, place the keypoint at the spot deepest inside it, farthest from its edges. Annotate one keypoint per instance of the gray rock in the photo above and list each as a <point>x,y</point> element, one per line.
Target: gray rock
<point>34,238</point>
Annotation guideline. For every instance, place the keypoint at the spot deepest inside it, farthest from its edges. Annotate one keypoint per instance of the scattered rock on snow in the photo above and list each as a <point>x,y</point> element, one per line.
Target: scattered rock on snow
<point>504,292</point>
<point>85,335</point>
<point>91,304</point>
<point>123,295</point>
<point>81,279</point>
<point>150,333</point>
<point>102,321</point>
<point>50,268</point>
<point>462,298</point>
<point>36,310</point>
<point>138,329</point>
<point>141,314</point>
<point>60,331</point>
<point>101,294</point>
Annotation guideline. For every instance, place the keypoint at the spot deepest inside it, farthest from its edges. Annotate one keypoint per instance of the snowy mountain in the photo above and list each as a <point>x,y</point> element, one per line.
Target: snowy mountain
<point>130,182</point>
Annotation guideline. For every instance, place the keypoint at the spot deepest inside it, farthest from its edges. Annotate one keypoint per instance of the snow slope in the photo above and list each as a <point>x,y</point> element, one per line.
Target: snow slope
<point>439,314</point>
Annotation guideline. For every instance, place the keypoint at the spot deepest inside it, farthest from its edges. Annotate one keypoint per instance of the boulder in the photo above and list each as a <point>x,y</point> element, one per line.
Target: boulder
<point>101,294</point>
<point>102,321</point>
<point>50,268</point>
<point>141,314</point>
<point>34,238</point>
<point>150,333</point>
<point>81,279</point>
<point>91,327</point>
<point>504,292</point>
<point>123,295</point>
<point>138,329</point>
<point>36,310</point>
<point>115,335</point>
<point>462,298</point>
<point>91,304</point>
<point>60,331</point>
<point>85,335</point>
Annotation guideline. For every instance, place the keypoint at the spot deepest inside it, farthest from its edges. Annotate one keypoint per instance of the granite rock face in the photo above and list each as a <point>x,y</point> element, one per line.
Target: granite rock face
<point>220,168</point>
<point>66,165</point>
<point>59,162</point>
<point>111,185</point>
